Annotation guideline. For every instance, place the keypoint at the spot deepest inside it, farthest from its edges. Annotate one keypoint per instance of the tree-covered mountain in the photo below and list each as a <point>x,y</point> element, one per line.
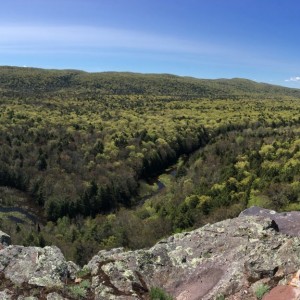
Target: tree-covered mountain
<point>31,82</point>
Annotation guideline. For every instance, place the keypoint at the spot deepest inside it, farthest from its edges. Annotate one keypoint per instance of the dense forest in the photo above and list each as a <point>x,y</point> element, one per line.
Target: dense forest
<point>81,150</point>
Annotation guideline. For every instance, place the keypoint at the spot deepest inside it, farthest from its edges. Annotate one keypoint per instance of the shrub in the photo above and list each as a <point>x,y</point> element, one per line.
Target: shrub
<point>83,272</point>
<point>261,290</point>
<point>77,292</point>
<point>159,294</point>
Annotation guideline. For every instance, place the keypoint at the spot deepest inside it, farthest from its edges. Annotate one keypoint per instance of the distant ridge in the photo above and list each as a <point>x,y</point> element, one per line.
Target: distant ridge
<point>23,82</point>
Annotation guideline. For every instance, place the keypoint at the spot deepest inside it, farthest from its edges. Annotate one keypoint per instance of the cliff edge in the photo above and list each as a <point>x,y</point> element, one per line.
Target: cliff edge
<point>231,259</point>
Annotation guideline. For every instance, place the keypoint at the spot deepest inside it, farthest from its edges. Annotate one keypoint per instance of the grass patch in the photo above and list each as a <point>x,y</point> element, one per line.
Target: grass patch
<point>166,179</point>
<point>256,199</point>
<point>146,189</point>
<point>83,272</point>
<point>77,292</point>
<point>261,290</point>
<point>292,206</point>
<point>159,294</point>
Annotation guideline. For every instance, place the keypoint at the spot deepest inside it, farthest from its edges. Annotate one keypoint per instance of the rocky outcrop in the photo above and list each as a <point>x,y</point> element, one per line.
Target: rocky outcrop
<point>4,239</point>
<point>36,266</point>
<point>287,222</point>
<point>228,259</point>
<point>225,258</point>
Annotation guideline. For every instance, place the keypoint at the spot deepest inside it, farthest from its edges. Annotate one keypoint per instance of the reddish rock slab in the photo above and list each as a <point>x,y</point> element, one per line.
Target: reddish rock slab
<point>198,287</point>
<point>287,222</point>
<point>283,292</point>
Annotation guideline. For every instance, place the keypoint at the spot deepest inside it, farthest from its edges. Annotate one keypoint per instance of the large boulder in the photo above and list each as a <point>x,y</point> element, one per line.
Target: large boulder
<point>225,258</point>
<point>35,266</point>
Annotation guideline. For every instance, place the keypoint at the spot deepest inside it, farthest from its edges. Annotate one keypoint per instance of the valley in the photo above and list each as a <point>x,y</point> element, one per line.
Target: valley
<point>104,160</point>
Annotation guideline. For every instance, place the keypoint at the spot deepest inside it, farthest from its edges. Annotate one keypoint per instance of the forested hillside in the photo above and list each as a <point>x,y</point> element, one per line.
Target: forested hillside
<point>42,84</point>
<point>82,149</point>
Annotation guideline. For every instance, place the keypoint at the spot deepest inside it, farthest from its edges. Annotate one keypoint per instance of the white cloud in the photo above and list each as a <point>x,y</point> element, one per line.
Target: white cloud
<point>295,79</point>
<point>41,39</point>
<point>18,38</point>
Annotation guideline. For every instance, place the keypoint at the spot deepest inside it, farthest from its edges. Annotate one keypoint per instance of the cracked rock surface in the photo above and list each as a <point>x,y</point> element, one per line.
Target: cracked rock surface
<point>225,258</point>
<point>230,258</point>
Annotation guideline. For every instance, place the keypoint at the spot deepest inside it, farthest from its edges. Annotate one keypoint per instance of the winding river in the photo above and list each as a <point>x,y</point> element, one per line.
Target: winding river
<point>19,210</point>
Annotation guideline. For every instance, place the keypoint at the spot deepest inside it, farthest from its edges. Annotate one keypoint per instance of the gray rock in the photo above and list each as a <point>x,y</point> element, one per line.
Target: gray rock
<point>72,270</point>
<point>229,258</point>
<point>36,266</point>
<point>5,295</point>
<point>224,258</point>
<point>4,239</point>
<point>287,222</point>
<point>55,296</point>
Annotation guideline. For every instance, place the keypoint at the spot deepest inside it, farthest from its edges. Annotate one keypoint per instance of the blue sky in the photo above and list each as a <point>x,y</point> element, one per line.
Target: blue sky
<point>255,39</point>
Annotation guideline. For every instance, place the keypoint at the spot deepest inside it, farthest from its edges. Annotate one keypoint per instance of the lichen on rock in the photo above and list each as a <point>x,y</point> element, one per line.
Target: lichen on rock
<point>228,258</point>
<point>36,266</point>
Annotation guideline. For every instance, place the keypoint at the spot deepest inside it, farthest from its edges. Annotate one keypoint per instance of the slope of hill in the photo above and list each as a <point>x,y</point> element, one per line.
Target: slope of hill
<point>25,82</point>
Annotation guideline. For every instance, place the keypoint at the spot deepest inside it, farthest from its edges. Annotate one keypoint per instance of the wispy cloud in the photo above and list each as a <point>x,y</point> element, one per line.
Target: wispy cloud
<point>293,79</point>
<point>112,44</point>
<point>61,38</point>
